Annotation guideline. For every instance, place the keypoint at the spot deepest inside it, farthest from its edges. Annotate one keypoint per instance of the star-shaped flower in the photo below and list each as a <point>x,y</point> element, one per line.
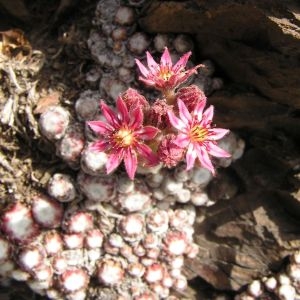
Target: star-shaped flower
<point>196,134</point>
<point>123,136</point>
<point>165,76</point>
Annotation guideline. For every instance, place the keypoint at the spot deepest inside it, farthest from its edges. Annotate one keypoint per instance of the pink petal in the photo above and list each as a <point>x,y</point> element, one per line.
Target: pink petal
<point>217,133</point>
<point>122,109</point>
<point>130,161</point>
<point>142,68</point>
<point>146,153</point>
<point>166,59</point>
<point>204,158</point>
<point>182,140</point>
<point>109,114</point>
<point>176,122</point>
<point>152,64</point>
<point>184,113</point>
<point>217,151</point>
<point>137,118</point>
<point>207,116</point>
<point>199,109</point>
<point>147,132</point>
<point>148,82</point>
<point>100,127</point>
<point>180,65</point>
<point>114,161</point>
<point>99,146</point>
<point>190,157</point>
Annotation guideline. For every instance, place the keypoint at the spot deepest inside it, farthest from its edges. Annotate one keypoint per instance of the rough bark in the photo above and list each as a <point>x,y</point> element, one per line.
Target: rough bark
<point>256,46</point>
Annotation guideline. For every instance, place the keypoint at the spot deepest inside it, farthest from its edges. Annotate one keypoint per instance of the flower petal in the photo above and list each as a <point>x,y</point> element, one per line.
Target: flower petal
<point>146,152</point>
<point>100,127</point>
<point>99,146</point>
<point>204,158</point>
<point>137,118</point>
<point>152,64</point>
<point>199,109</point>
<point>147,81</point>
<point>166,59</point>
<point>114,161</point>
<point>207,116</point>
<point>176,122</point>
<point>182,140</point>
<point>147,132</point>
<point>217,133</point>
<point>130,161</point>
<point>214,150</point>
<point>184,113</point>
<point>142,68</point>
<point>109,114</point>
<point>190,157</point>
<point>122,109</point>
<point>180,65</point>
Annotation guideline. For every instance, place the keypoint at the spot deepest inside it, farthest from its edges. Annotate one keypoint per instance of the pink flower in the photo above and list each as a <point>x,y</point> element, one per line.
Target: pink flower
<point>165,76</point>
<point>123,136</point>
<point>196,134</point>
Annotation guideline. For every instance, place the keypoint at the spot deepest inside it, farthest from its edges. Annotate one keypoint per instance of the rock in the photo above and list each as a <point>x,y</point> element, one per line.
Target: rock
<point>255,43</point>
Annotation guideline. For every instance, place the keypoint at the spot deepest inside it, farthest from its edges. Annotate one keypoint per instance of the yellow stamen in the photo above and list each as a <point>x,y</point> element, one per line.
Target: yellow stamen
<point>124,137</point>
<point>165,73</point>
<point>198,134</point>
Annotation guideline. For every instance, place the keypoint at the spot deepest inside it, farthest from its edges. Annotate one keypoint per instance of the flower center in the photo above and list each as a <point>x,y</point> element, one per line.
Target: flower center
<point>165,73</point>
<point>124,137</point>
<point>198,134</point>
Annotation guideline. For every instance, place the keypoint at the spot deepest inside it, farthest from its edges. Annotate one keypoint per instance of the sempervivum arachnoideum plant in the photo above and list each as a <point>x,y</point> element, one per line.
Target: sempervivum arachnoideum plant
<point>111,230</point>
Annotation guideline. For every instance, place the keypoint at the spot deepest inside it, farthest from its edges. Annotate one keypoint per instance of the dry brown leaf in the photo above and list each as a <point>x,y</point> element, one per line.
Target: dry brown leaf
<point>47,101</point>
<point>14,44</point>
